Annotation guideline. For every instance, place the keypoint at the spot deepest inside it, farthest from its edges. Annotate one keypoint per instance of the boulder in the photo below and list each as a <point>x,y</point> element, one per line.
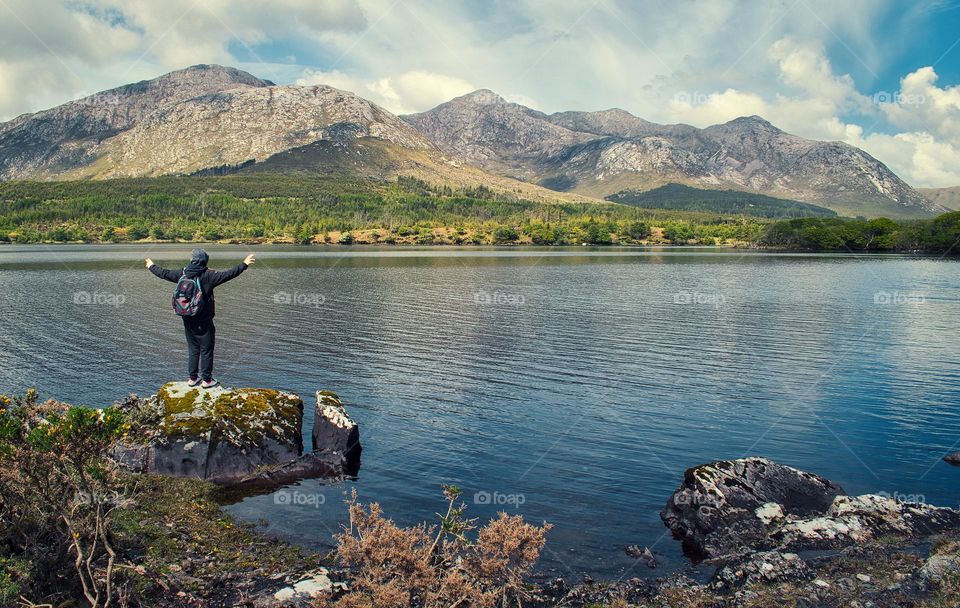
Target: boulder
<point>953,458</point>
<point>334,433</point>
<point>224,435</point>
<point>728,507</point>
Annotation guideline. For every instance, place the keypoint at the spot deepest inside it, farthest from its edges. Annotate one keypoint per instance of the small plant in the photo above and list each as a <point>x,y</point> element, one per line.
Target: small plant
<point>438,566</point>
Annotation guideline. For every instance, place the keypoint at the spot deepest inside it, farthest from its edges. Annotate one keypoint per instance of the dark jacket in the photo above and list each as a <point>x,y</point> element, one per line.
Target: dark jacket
<point>208,280</point>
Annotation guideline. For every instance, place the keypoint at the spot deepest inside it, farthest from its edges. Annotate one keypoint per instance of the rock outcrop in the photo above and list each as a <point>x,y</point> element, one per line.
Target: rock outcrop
<point>229,436</point>
<point>953,458</point>
<point>732,508</point>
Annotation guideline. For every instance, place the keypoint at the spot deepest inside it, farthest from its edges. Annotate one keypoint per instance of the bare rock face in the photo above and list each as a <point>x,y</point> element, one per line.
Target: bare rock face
<point>249,436</point>
<point>729,509</point>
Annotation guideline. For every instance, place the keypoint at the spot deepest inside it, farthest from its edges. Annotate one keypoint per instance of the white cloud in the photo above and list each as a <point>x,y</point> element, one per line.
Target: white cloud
<point>405,93</point>
<point>921,106</point>
<point>703,109</point>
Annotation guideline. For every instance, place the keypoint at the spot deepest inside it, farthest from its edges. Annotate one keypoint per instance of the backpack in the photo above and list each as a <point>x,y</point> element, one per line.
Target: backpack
<point>188,296</point>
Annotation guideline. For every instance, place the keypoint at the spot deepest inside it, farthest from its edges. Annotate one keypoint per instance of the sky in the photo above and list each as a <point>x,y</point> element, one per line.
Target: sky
<point>883,75</point>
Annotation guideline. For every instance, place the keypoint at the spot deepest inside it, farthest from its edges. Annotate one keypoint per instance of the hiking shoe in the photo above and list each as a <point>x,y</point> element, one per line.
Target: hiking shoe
<point>193,381</point>
<point>209,383</point>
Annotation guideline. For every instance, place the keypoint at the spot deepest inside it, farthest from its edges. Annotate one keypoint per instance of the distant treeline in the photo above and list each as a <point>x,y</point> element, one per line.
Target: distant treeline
<point>285,208</point>
<point>939,234</point>
<point>303,209</point>
<point>678,197</point>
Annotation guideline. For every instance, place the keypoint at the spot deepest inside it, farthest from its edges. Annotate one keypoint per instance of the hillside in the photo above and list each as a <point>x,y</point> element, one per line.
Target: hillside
<point>684,198</point>
<point>945,197</point>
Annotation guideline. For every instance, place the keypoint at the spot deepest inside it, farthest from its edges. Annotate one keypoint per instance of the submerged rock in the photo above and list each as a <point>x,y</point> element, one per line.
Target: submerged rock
<point>223,435</point>
<point>728,509</point>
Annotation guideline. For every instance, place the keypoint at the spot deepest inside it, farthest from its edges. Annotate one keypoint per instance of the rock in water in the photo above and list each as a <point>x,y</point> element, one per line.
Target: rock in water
<point>334,433</point>
<point>224,435</point>
<point>725,507</point>
<point>729,509</point>
<point>953,458</point>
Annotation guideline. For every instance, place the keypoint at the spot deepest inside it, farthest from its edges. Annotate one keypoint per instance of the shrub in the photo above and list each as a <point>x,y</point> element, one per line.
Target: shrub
<point>58,491</point>
<point>638,230</point>
<point>435,567</point>
<point>345,239</point>
<point>505,234</point>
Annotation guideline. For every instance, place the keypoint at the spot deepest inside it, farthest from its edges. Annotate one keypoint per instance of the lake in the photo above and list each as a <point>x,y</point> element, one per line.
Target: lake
<point>569,385</point>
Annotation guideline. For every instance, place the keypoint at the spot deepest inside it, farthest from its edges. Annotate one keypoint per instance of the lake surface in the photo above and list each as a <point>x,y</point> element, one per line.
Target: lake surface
<point>568,385</point>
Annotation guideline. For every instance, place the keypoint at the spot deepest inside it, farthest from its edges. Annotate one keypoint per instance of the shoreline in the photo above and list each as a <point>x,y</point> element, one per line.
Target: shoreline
<point>505,246</point>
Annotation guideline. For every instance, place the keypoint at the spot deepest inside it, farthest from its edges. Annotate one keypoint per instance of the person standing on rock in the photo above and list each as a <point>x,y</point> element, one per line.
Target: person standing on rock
<point>193,300</point>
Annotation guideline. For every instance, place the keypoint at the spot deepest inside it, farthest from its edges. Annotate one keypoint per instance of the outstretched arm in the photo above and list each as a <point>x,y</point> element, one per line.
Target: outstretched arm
<point>167,275</point>
<point>219,277</point>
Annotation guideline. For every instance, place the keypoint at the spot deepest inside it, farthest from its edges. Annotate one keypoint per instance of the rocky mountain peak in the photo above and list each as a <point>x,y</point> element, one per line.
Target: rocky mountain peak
<point>209,75</point>
<point>751,123</point>
<point>481,97</point>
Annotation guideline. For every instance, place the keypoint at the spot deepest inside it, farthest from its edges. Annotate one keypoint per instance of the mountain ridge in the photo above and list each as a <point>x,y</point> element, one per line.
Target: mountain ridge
<point>207,117</point>
<point>608,151</point>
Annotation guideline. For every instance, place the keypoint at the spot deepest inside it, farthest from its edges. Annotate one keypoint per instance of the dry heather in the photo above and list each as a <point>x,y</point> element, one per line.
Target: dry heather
<point>445,565</point>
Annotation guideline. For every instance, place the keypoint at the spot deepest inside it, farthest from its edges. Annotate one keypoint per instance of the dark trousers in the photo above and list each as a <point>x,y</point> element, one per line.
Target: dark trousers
<point>201,336</point>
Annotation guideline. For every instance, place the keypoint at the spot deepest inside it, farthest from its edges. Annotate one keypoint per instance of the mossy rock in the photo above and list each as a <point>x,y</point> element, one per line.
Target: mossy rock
<point>241,416</point>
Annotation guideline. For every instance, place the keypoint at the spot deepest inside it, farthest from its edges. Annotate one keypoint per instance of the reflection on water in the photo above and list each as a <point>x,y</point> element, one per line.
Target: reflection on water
<point>572,386</point>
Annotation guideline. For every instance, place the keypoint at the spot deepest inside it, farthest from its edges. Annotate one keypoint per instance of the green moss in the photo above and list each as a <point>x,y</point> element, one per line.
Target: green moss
<point>241,416</point>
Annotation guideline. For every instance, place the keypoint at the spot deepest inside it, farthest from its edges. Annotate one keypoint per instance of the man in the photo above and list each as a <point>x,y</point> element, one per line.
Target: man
<point>198,327</point>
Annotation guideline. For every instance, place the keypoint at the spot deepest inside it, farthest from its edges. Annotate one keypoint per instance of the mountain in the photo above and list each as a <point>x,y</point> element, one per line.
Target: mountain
<point>59,140</point>
<point>735,202</point>
<point>603,153</point>
<point>210,119</point>
<point>945,197</point>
